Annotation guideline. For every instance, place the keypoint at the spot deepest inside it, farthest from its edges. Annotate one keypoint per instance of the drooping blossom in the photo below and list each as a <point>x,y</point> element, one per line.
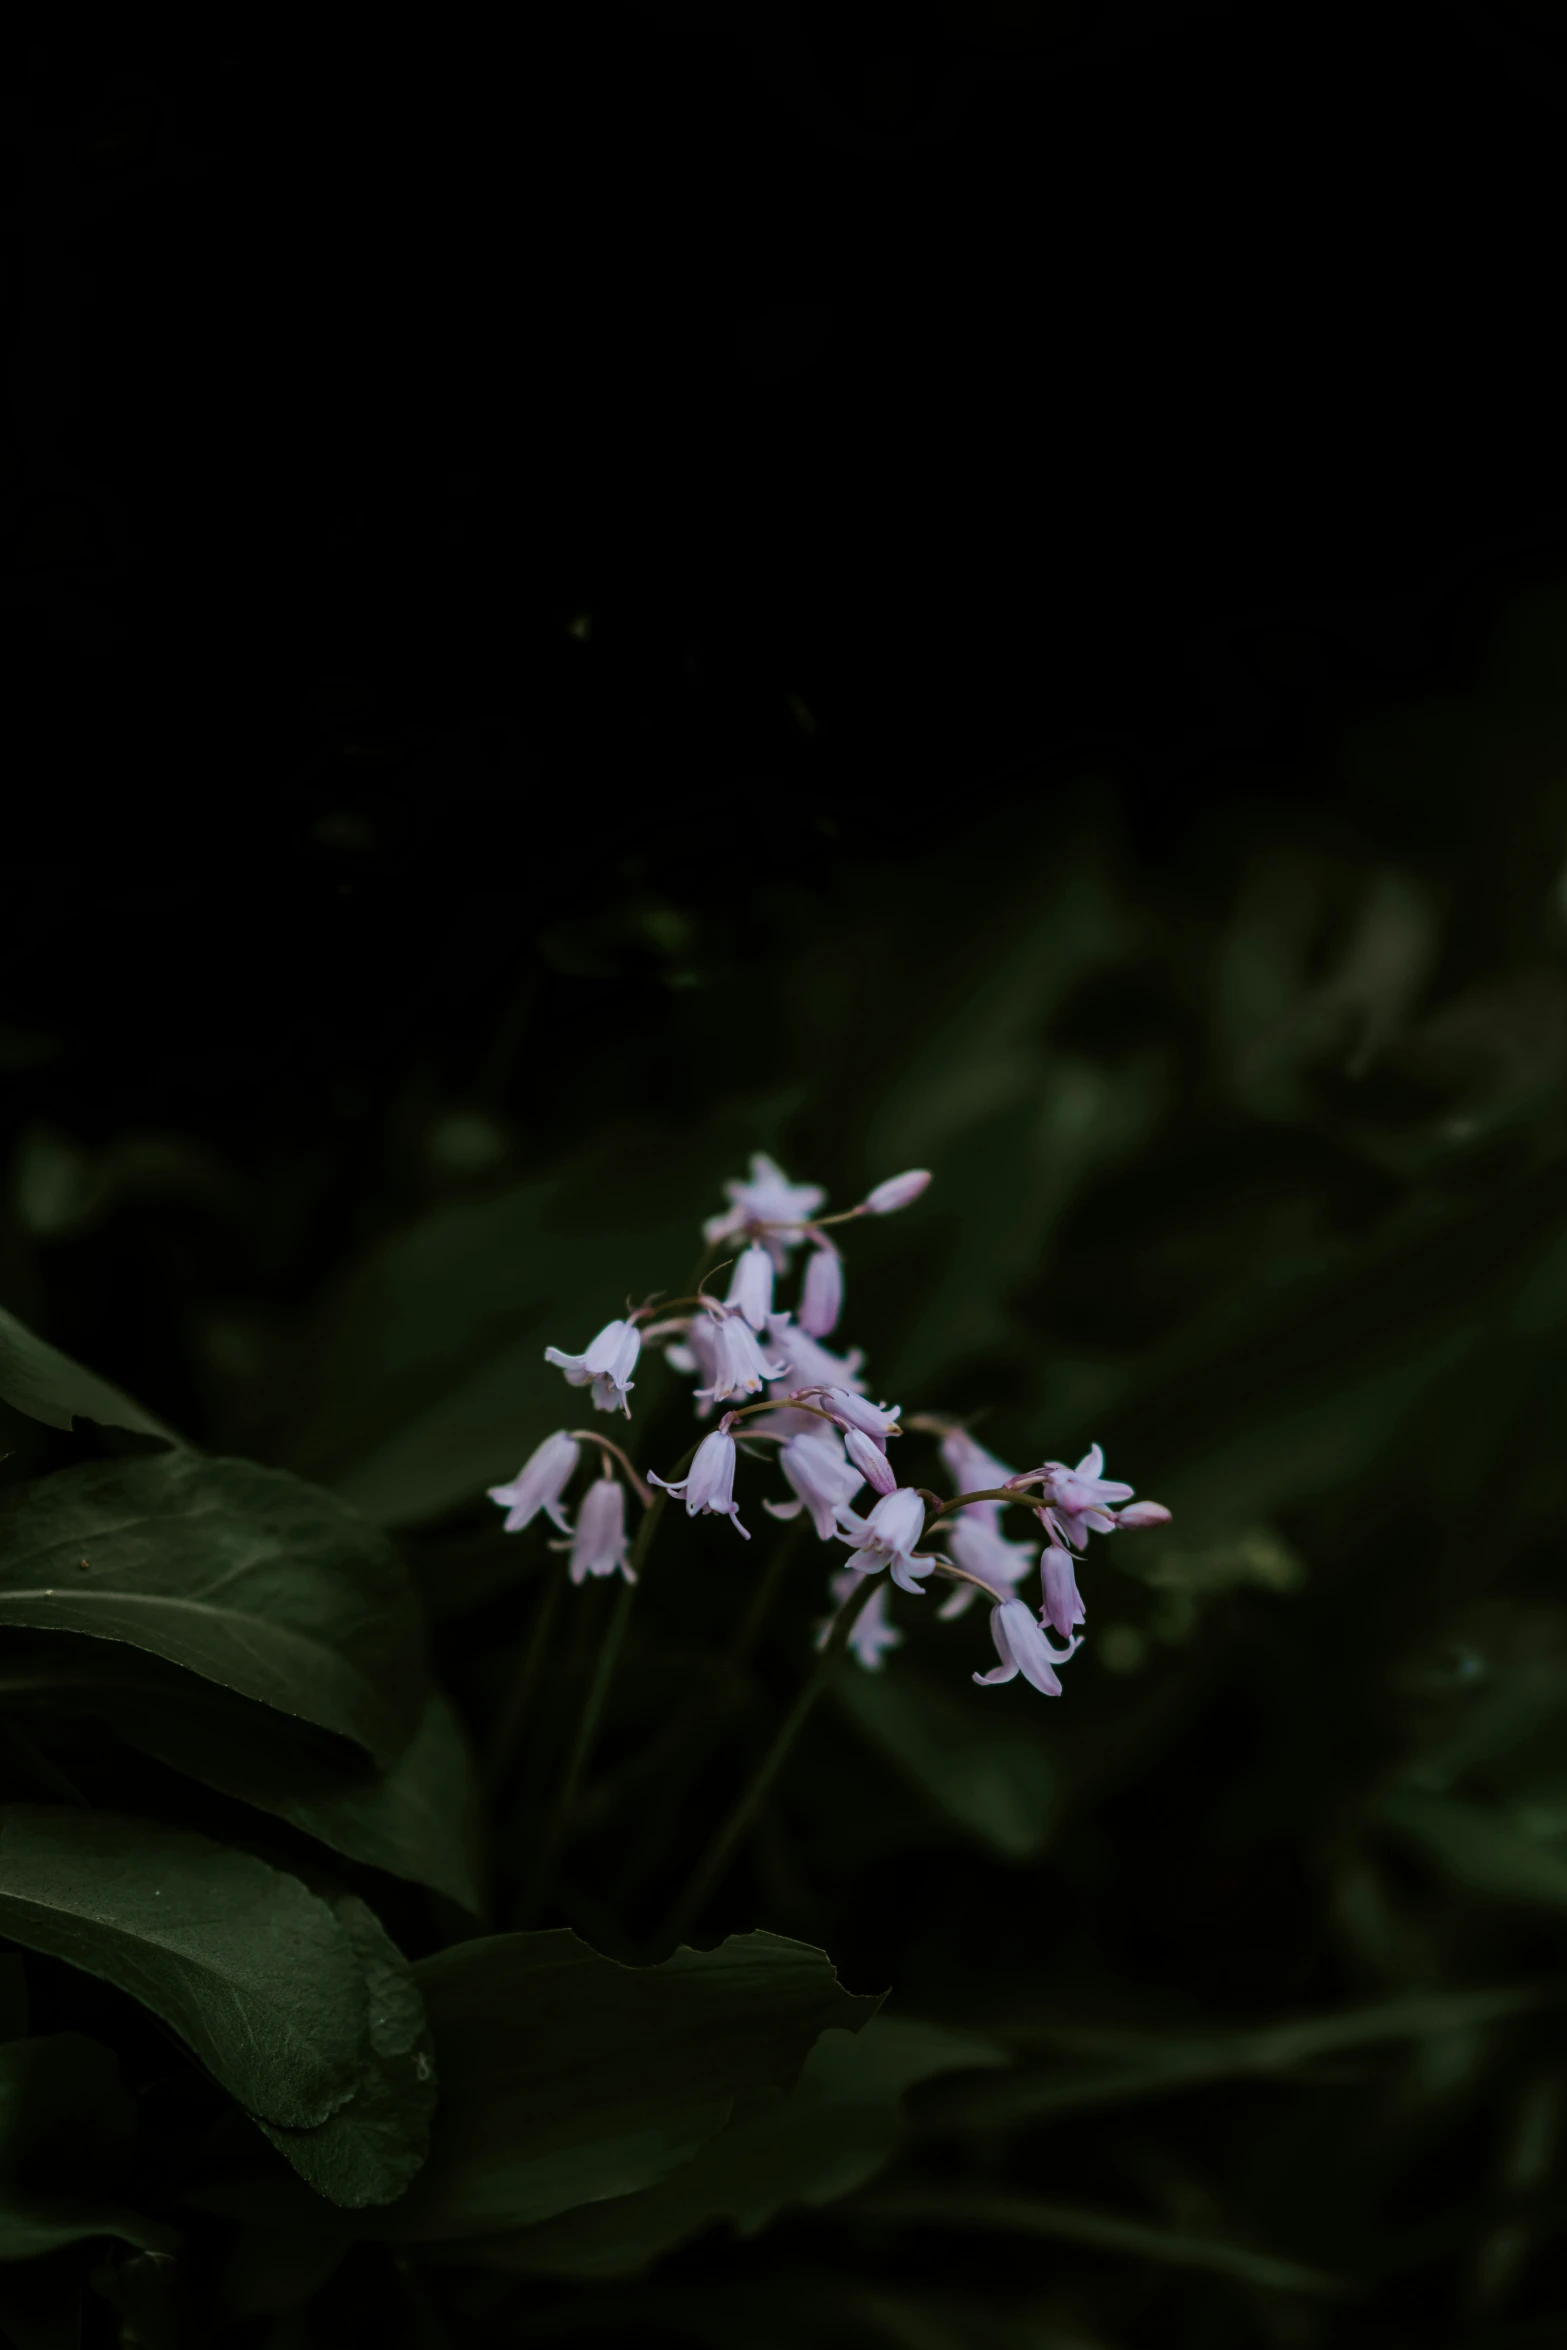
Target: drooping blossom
<point>821,1295</point>
<point>764,1201</point>
<point>1078,1502</point>
<point>898,1191</point>
<point>871,1460</point>
<point>979,1547</point>
<point>1063,1601</point>
<point>709,1483</point>
<point>878,1421</point>
<point>539,1484</point>
<point>1022,1647</point>
<point>872,1632</point>
<point>809,1364</point>
<point>598,1547</point>
<point>739,1365</point>
<point>824,1481</point>
<point>608,1365</point>
<point>887,1537</point>
<point>973,1469</point>
<point>751,1285</point>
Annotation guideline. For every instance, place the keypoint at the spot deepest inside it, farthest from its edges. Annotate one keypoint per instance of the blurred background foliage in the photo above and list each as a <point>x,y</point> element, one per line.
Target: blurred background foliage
<point>1245,1101</point>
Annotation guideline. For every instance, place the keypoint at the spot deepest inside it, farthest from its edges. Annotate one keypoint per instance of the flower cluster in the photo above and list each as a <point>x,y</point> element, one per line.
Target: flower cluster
<point>770,1372</point>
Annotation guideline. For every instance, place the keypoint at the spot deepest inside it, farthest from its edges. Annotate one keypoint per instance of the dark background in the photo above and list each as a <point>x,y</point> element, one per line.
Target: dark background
<point>587,596</point>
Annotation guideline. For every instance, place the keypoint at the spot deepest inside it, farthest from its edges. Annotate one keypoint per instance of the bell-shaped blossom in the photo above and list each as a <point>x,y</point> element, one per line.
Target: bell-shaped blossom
<point>1078,1501</point>
<point>972,1469</point>
<point>1141,1513</point>
<point>751,1285</point>
<point>599,1547</point>
<point>1022,1647</point>
<point>1063,1601</point>
<point>871,1461</point>
<point>887,1537</point>
<point>809,1364</point>
<point>739,1365</point>
<point>767,1199</point>
<point>978,1546</point>
<point>607,1365</point>
<point>539,1484</point>
<point>878,1421</point>
<point>823,1480</point>
<point>709,1483</point>
<point>872,1632</point>
<point>821,1294</point>
<point>897,1192</point>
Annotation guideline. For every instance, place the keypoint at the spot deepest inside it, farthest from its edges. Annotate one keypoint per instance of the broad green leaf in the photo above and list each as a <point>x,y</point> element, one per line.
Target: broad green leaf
<point>243,1575</point>
<point>566,2077</point>
<point>369,2150</point>
<point>418,1820</point>
<point>67,2135</point>
<point>251,1970</point>
<point>37,1379</point>
<point>1477,1849</point>
<point>981,1765</point>
<point>832,2132</point>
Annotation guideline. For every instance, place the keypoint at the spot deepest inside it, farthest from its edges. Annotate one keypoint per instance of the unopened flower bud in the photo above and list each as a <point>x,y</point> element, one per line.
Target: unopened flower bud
<point>856,1411</point>
<point>870,1460</point>
<point>1063,1601</point>
<point>751,1286</point>
<point>897,1192</point>
<point>821,1299</point>
<point>1143,1513</point>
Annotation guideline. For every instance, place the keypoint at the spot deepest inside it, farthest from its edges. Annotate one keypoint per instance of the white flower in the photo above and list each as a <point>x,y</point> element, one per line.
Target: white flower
<point>539,1484</point>
<point>887,1537</point>
<point>1079,1501</point>
<point>878,1421</point>
<point>896,1192</point>
<point>598,1546</point>
<point>739,1365</point>
<point>608,1363</point>
<point>822,1479</point>
<point>871,1461</point>
<point>821,1298</point>
<point>751,1285</point>
<point>810,1365</point>
<point>767,1199</point>
<point>978,1546</point>
<point>1063,1601</point>
<point>872,1633</point>
<point>709,1483</point>
<point>1023,1648</point>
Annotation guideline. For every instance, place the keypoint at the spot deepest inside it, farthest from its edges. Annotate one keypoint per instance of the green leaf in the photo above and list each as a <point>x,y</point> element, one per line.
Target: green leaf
<point>67,2134</point>
<point>37,1379</point>
<point>835,2130</point>
<point>251,1970</point>
<point>370,2149</point>
<point>419,1820</point>
<point>1476,1849</point>
<point>980,1765</point>
<point>240,1574</point>
<point>566,2077</point>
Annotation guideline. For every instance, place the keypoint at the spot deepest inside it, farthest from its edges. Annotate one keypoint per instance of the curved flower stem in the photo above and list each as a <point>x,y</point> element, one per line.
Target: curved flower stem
<point>714,1861</point>
<point>960,1501</point>
<point>593,1705</point>
<point>608,1444</point>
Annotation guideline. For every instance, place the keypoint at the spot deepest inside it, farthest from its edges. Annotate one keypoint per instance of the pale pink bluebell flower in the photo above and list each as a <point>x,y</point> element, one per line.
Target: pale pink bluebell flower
<point>871,1460</point>
<point>873,1632</point>
<point>821,1294</point>
<point>1141,1513</point>
<point>599,1547</point>
<point>607,1365</point>
<point>972,1469</point>
<point>823,1480</point>
<point>1022,1647</point>
<point>887,1537</point>
<point>751,1285</point>
<point>1077,1502</point>
<point>1063,1606</point>
<point>709,1483</point>
<point>767,1198</point>
<point>979,1547</point>
<point>877,1421</point>
<point>739,1365</point>
<point>809,1364</point>
<point>539,1484</point>
<point>898,1191</point>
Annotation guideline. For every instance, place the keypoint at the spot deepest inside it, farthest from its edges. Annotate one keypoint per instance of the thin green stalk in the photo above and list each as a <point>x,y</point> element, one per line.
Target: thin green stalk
<point>762,1598</point>
<point>716,1859</point>
<point>514,1716</point>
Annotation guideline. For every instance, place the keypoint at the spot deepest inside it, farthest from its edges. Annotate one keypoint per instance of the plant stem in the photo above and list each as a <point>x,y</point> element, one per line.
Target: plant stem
<point>718,1854</point>
<point>514,1715</point>
<point>762,1597</point>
